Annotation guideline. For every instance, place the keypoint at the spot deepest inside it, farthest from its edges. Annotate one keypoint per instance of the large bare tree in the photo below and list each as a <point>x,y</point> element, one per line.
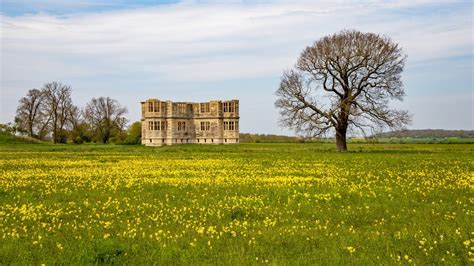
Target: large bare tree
<point>32,115</point>
<point>105,117</point>
<point>59,104</point>
<point>344,82</point>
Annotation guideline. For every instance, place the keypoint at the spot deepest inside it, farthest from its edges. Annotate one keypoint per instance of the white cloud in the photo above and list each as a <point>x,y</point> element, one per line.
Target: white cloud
<point>163,35</point>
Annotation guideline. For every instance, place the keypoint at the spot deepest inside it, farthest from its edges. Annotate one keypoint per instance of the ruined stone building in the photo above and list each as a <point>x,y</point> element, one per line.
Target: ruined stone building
<point>169,123</point>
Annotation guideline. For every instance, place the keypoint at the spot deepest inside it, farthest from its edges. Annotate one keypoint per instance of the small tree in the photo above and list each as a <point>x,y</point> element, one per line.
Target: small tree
<point>344,82</point>
<point>134,134</point>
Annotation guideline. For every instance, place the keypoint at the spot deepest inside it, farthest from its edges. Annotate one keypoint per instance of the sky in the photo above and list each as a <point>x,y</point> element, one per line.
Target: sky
<point>203,50</point>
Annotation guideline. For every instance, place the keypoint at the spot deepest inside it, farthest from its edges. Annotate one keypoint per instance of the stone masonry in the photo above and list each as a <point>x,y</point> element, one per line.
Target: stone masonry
<point>170,123</point>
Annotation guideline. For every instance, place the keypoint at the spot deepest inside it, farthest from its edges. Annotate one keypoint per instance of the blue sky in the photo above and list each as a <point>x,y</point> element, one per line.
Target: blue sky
<point>201,50</point>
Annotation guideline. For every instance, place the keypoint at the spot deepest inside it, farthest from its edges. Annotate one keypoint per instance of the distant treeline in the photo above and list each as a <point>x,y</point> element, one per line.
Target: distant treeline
<point>427,133</point>
<point>49,114</point>
<point>405,136</point>
<point>268,138</point>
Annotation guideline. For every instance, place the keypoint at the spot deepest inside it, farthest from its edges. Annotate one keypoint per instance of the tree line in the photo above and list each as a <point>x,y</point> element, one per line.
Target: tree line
<point>49,114</point>
<point>426,133</point>
<point>269,138</point>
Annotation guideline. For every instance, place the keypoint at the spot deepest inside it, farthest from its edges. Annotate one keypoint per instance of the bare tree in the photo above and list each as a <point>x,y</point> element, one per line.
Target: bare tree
<point>58,104</point>
<point>31,115</point>
<point>78,128</point>
<point>74,117</point>
<point>105,117</point>
<point>344,82</point>
<point>28,110</point>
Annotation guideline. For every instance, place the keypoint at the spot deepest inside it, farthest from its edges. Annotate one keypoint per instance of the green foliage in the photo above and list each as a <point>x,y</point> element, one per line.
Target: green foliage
<point>8,138</point>
<point>62,136</point>
<point>118,138</point>
<point>11,128</point>
<point>285,204</point>
<point>78,140</point>
<point>134,133</point>
<point>80,133</point>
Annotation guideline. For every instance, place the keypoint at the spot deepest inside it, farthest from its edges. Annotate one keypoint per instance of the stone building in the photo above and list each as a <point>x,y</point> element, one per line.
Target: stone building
<point>170,123</point>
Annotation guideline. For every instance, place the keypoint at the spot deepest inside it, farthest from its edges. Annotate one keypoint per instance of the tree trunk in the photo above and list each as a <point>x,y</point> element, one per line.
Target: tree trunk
<point>341,139</point>
<point>105,137</point>
<point>55,134</point>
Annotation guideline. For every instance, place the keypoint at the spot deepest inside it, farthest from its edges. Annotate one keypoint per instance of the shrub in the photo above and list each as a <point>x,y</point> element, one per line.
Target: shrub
<point>78,140</point>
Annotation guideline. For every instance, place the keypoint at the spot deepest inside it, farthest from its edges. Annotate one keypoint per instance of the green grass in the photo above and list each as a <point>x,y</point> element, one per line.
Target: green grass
<point>7,138</point>
<point>242,204</point>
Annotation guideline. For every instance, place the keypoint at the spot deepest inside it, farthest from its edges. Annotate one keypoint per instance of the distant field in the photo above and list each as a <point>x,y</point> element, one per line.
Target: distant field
<point>246,204</point>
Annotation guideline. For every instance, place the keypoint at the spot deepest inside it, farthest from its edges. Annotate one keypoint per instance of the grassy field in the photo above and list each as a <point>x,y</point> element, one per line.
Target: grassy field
<point>245,204</point>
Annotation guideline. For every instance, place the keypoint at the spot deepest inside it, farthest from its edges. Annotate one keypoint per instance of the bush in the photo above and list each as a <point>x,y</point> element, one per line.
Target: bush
<point>78,140</point>
<point>134,134</point>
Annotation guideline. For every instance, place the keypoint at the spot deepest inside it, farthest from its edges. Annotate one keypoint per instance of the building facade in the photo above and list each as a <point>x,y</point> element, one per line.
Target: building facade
<point>170,123</point>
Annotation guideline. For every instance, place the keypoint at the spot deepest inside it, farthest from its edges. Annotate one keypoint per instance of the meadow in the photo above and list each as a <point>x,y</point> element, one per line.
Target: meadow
<point>245,204</point>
